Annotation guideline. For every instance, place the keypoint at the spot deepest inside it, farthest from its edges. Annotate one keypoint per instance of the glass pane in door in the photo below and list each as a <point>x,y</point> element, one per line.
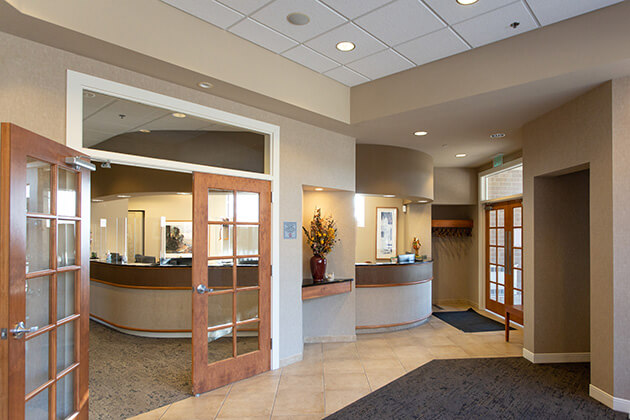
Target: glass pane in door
<point>247,272</point>
<point>247,240</point>
<point>247,204</point>
<point>66,243</point>
<point>65,396</point>
<point>37,244</point>
<point>65,294</point>
<point>220,206</point>
<point>37,407</point>
<point>65,345</point>
<point>37,302</point>
<point>247,338</point>
<point>36,361</point>
<point>220,345</point>
<point>66,193</point>
<point>220,239</point>
<point>38,186</point>
<point>246,305</point>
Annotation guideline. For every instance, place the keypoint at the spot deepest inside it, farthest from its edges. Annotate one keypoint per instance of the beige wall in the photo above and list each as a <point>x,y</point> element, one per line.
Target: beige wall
<point>576,134</point>
<point>33,83</point>
<point>455,186</point>
<point>561,254</point>
<point>331,318</point>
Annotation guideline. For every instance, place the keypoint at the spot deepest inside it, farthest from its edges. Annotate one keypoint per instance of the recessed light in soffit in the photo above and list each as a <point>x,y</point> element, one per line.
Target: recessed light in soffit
<point>345,46</point>
<point>205,85</point>
<point>298,19</point>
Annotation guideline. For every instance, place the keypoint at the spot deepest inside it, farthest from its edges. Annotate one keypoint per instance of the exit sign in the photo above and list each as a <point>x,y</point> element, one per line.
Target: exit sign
<point>497,161</point>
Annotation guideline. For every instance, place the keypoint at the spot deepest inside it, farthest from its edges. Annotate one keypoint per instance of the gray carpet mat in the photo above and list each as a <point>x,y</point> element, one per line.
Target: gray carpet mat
<point>497,388</point>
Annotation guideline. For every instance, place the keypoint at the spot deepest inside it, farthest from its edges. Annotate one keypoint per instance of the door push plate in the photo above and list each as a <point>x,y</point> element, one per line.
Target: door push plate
<point>3,334</point>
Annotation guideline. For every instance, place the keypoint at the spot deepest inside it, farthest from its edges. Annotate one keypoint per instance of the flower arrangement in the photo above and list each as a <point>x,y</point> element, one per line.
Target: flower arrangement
<point>322,235</point>
<point>415,244</point>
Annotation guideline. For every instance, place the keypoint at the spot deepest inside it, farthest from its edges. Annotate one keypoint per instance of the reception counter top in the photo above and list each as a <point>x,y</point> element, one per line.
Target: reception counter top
<point>393,296</point>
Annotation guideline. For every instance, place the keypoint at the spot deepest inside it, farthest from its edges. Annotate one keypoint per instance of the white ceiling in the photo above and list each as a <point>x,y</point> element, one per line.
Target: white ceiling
<point>390,36</point>
<point>102,119</point>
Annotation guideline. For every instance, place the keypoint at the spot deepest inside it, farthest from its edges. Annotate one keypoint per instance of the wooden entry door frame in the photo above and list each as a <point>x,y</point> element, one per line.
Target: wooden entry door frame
<point>209,374</point>
<point>504,256</point>
<point>44,279</point>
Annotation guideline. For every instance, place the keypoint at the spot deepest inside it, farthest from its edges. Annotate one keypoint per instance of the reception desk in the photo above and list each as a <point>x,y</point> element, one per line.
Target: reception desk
<point>392,296</point>
<point>155,300</point>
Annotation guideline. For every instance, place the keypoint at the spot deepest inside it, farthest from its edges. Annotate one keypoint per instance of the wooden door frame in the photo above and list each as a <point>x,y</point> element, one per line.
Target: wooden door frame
<point>17,143</point>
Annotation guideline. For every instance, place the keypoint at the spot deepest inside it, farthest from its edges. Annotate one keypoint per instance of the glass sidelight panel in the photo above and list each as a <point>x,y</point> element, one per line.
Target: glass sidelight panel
<point>65,345</point>
<point>66,243</point>
<point>493,291</point>
<point>518,216</point>
<point>500,218</point>
<point>493,255</point>
<point>518,279</point>
<point>220,206</point>
<point>37,244</point>
<point>247,338</point>
<point>38,186</point>
<point>246,305</point>
<point>501,255</point>
<point>37,302</point>
<point>220,239</point>
<point>493,218</point>
<point>65,396</point>
<point>65,294</point>
<point>518,258</point>
<point>501,237</point>
<point>66,193</point>
<point>220,345</point>
<point>247,240</point>
<point>493,273</point>
<point>220,309</point>
<point>493,236</point>
<point>247,272</point>
<point>501,276</point>
<point>518,297</point>
<point>518,237</point>
<point>37,407</point>
<point>501,294</point>
<point>247,207</point>
<point>36,361</point>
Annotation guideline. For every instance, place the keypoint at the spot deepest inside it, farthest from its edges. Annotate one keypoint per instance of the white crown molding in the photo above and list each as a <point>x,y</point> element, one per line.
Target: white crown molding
<point>617,404</point>
<point>556,357</point>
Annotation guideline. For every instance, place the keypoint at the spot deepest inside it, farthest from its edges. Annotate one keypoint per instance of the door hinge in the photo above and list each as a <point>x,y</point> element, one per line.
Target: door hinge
<point>271,343</point>
<point>271,197</point>
<point>3,334</point>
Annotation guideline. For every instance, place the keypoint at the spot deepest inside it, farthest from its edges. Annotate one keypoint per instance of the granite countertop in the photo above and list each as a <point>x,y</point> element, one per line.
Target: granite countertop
<point>391,263</point>
<point>310,282</point>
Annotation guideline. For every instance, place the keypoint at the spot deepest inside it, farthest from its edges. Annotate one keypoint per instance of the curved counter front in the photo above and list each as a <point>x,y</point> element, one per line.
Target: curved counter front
<point>155,300</point>
<point>391,296</point>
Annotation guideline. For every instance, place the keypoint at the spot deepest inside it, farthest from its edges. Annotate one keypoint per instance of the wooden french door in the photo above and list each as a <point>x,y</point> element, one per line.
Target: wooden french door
<point>231,279</point>
<point>44,288</point>
<point>504,257</point>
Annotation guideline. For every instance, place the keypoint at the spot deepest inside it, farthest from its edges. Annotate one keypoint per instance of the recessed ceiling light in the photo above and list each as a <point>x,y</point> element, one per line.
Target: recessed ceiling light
<point>420,133</point>
<point>87,94</point>
<point>467,2</point>
<point>205,85</point>
<point>183,193</point>
<point>389,195</point>
<point>96,200</point>
<point>178,115</point>
<point>319,189</point>
<point>423,201</point>
<point>123,196</point>
<point>497,135</point>
<point>298,19</point>
<point>460,155</point>
<point>345,46</point>
<point>144,130</point>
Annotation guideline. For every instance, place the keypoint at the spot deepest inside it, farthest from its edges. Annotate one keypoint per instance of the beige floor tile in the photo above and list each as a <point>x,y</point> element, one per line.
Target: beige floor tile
<point>482,350</point>
<point>244,418</point>
<point>152,415</point>
<point>307,383</point>
<point>294,402</point>
<point>336,400</point>
<point>260,383</point>
<point>379,378</point>
<point>297,417</point>
<point>411,363</point>
<point>447,352</point>
<point>312,352</point>
<point>438,340</point>
<point>411,351</point>
<point>508,349</point>
<point>378,364</point>
<point>306,367</point>
<point>244,404</point>
<point>343,366</point>
<point>345,351</point>
<point>196,408</point>
<point>337,381</point>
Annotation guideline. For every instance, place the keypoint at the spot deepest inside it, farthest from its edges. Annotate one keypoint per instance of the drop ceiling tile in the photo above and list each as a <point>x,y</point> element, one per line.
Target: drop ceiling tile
<point>321,17</point>
<point>381,64</point>
<point>453,12</point>
<point>400,21</point>
<point>263,36</point>
<point>434,46</point>
<point>365,44</point>
<point>311,59</point>
<point>353,9</point>
<point>495,26</point>
<point>346,76</point>
<point>245,6</point>
<point>549,12</point>
<point>208,10</point>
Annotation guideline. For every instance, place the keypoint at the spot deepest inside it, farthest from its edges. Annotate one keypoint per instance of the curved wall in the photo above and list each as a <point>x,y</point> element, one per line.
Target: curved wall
<point>405,173</point>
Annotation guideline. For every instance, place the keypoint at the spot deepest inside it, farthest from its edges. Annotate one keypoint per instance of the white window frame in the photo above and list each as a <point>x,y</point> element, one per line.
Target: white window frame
<point>503,168</point>
<point>78,82</point>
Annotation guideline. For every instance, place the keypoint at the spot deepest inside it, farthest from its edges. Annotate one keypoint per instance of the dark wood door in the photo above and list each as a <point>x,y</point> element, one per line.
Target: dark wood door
<point>45,286</point>
<point>231,323</point>
<point>504,257</point>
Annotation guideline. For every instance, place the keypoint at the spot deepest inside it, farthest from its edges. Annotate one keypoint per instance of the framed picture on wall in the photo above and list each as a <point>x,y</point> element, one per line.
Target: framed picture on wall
<point>178,239</point>
<point>386,232</point>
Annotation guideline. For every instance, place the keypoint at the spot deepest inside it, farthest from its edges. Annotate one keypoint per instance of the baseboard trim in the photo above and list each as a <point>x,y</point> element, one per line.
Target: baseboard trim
<point>292,359</point>
<point>331,339</point>
<point>556,357</point>
<point>617,404</point>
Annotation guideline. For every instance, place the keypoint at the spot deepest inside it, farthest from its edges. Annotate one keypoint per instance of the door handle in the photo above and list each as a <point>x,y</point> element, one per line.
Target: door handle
<point>201,289</point>
<point>20,329</point>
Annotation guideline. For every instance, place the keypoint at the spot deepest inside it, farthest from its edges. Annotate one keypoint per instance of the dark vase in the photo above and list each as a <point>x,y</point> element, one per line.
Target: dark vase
<point>318,268</point>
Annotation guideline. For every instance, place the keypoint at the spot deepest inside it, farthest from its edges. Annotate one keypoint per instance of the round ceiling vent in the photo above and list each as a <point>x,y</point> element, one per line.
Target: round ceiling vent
<point>497,135</point>
<point>298,19</point>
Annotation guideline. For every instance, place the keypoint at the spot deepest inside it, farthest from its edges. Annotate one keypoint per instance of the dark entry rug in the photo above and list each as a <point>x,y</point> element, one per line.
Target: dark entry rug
<point>470,321</point>
<point>499,388</point>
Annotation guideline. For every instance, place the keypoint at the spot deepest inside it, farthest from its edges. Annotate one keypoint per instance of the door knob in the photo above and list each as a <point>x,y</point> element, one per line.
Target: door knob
<point>20,329</point>
<point>201,289</point>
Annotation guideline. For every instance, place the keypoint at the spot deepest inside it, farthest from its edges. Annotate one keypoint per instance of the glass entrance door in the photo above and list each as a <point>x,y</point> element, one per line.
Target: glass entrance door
<point>45,231</point>
<point>504,257</point>
<point>231,279</point>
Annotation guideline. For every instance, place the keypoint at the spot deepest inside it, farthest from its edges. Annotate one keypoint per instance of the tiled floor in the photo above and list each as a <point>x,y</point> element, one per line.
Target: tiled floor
<point>333,375</point>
